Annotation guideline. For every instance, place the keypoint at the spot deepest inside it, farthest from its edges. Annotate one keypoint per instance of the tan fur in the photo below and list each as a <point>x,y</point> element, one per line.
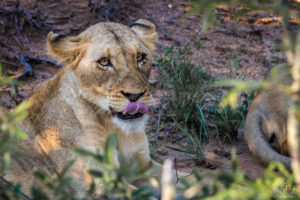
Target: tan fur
<point>266,121</point>
<point>71,110</point>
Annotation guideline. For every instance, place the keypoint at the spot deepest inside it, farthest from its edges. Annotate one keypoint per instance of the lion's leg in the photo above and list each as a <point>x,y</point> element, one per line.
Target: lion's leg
<point>147,162</point>
<point>143,156</point>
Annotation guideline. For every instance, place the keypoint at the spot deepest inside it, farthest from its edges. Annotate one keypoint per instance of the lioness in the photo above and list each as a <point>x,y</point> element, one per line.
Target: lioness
<point>266,122</point>
<point>102,88</point>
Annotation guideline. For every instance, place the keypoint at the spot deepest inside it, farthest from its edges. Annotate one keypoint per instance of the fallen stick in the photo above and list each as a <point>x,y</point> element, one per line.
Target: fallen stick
<point>158,124</point>
<point>175,165</point>
<point>41,59</point>
<point>24,60</point>
<point>10,47</point>
<point>171,20</point>
<point>27,67</point>
<point>8,63</point>
<point>167,188</point>
<point>13,187</point>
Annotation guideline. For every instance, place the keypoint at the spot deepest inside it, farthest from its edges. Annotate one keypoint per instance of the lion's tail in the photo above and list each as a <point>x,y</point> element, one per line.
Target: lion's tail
<point>257,142</point>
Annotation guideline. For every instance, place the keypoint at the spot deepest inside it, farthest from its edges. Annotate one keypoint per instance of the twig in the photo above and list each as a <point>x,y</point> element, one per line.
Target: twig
<point>26,39</point>
<point>6,105</point>
<point>158,124</point>
<point>10,47</point>
<point>15,97</point>
<point>19,43</point>
<point>180,51</point>
<point>11,185</point>
<point>41,59</point>
<point>8,63</point>
<point>25,58</point>
<point>27,67</point>
<point>167,190</point>
<point>22,13</point>
<point>16,23</point>
<point>147,15</point>
<point>175,165</point>
<point>171,20</point>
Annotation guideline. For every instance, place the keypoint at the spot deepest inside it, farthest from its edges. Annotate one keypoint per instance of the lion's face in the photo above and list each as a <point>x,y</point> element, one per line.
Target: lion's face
<point>112,63</point>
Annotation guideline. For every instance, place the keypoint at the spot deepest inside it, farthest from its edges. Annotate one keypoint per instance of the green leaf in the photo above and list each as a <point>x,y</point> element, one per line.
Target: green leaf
<point>66,168</point>
<point>19,113</point>
<point>238,86</point>
<point>198,174</point>
<point>110,147</point>
<point>185,132</point>
<point>95,173</point>
<point>187,150</point>
<point>234,162</point>
<point>141,192</point>
<point>150,172</point>
<point>38,194</point>
<point>6,160</point>
<point>92,188</point>
<point>20,133</point>
<point>44,178</point>
<point>64,185</point>
<point>86,153</point>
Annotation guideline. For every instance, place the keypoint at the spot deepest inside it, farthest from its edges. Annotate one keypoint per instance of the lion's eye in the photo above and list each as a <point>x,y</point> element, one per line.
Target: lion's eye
<point>104,61</point>
<point>140,57</point>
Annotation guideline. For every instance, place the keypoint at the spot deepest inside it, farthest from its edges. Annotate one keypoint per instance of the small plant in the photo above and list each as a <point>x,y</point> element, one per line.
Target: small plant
<point>227,122</point>
<point>189,88</point>
<point>194,149</point>
<point>227,119</point>
<point>186,83</point>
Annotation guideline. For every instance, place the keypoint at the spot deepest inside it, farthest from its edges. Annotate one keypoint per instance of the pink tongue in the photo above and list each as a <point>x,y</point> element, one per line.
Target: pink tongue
<point>135,107</point>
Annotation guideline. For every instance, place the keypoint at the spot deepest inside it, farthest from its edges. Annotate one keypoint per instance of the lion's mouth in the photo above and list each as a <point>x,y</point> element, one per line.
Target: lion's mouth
<point>120,115</point>
<point>132,111</point>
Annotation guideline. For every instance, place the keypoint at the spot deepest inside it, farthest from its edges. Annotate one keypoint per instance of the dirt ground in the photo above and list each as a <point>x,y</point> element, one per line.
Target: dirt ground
<point>253,40</point>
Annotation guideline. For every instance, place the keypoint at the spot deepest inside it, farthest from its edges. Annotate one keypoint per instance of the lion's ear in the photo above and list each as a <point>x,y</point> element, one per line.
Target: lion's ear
<point>63,47</point>
<point>146,31</point>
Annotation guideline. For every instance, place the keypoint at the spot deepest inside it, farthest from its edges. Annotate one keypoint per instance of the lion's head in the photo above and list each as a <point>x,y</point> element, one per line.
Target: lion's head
<point>112,63</point>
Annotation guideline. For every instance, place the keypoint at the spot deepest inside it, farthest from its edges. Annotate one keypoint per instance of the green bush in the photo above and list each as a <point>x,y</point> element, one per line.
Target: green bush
<point>186,84</point>
<point>227,119</point>
<point>10,134</point>
<point>194,150</point>
<point>192,102</point>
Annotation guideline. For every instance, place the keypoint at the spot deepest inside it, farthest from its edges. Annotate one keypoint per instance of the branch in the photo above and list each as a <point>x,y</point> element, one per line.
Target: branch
<point>294,113</point>
<point>158,124</point>
<point>24,59</point>
<point>41,59</point>
<point>167,190</point>
<point>11,185</point>
<point>171,20</point>
<point>27,67</point>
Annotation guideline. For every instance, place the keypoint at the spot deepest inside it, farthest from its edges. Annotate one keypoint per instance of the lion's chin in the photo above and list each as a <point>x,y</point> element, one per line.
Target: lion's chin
<point>136,125</point>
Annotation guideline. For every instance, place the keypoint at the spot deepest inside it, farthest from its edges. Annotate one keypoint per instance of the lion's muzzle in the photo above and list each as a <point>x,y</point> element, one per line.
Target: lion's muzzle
<point>133,110</point>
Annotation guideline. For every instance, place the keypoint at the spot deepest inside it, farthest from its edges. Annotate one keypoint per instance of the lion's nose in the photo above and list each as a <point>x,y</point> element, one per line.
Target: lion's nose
<point>133,97</point>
